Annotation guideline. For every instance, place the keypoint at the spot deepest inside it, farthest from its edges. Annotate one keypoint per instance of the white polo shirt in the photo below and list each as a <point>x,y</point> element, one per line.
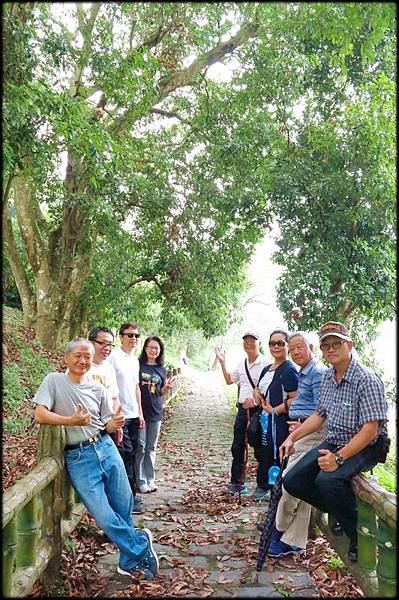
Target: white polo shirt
<point>239,375</point>
<point>127,376</point>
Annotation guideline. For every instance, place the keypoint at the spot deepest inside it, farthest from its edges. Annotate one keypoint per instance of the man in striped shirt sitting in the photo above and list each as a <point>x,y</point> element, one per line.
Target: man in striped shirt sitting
<point>293,515</point>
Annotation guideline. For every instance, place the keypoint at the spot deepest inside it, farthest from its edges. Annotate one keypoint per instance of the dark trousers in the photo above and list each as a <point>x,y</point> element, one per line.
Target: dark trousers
<point>128,449</point>
<point>330,492</point>
<point>238,446</point>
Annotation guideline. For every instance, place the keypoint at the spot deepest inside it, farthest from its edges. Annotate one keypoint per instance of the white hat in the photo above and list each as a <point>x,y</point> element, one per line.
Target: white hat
<point>252,334</point>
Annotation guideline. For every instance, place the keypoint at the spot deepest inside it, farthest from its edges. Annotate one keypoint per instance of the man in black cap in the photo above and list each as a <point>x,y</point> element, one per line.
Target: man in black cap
<point>353,406</point>
<point>246,400</point>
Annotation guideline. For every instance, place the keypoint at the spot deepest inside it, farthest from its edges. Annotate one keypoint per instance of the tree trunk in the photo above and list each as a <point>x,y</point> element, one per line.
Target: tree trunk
<point>60,260</point>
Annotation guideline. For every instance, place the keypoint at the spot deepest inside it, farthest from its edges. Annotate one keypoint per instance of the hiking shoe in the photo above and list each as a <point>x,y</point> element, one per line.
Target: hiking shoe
<point>233,488</point>
<point>148,567</point>
<point>138,507</point>
<point>152,487</point>
<point>260,494</point>
<point>144,489</point>
<point>278,548</point>
<point>336,528</point>
<point>352,552</point>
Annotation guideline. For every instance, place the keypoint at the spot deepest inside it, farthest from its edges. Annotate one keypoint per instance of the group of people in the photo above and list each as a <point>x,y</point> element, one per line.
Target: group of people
<point>111,406</point>
<point>330,420</point>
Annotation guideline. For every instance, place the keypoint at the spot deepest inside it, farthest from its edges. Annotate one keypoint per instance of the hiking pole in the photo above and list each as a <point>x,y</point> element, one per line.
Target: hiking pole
<point>244,466</point>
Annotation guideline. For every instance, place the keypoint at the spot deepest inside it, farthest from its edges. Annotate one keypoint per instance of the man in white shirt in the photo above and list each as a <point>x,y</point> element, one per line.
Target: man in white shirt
<point>255,363</point>
<point>127,376</point>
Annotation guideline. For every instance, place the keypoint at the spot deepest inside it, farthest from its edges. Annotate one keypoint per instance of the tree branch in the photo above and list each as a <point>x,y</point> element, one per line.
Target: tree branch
<point>27,212</point>
<point>85,28</point>
<point>25,291</point>
<point>137,281</point>
<point>186,76</point>
<point>167,113</point>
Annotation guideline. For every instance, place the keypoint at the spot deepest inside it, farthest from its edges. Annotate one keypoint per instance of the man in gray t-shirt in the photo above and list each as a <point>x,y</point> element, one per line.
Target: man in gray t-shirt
<point>92,461</point>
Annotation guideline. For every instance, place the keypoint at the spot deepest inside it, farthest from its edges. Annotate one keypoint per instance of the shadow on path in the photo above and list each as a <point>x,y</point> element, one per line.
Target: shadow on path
<point>206,541</point>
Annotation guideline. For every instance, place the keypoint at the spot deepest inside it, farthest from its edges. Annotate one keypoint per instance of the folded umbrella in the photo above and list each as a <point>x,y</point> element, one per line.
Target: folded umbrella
<point>269,521</point>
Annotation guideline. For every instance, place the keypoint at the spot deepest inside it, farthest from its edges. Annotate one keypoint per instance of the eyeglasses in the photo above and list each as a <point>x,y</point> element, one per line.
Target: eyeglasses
<point>334,345</point>
<point>104,344</point>
<point>132,335</point>
<point>279,343</point>
<point>153,348</point>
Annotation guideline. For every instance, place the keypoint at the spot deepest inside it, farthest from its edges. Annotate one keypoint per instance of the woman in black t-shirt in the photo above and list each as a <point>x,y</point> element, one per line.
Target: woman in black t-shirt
<point>153,384</point>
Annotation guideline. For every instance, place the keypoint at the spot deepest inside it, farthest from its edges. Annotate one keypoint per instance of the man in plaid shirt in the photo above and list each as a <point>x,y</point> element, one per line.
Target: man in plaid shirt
<point>353,406</point>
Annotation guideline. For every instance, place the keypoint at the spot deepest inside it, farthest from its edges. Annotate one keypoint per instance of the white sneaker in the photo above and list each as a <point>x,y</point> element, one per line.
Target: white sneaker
<point>152,487</point>
<point>144,489</point>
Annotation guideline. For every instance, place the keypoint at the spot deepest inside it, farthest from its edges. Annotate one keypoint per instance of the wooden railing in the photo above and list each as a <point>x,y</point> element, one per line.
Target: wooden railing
<point>375,570</point>
<point>38,510</point>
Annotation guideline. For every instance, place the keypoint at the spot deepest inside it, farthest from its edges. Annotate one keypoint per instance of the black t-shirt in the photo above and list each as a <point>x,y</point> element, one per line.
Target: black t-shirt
<point>152,379</point>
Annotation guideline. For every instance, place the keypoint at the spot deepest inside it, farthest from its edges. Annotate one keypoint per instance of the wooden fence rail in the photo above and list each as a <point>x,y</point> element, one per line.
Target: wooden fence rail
<point>38,510</point>
<point>375,570</point>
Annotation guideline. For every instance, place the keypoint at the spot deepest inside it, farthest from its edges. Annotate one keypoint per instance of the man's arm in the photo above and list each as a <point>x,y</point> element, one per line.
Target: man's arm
<point>312,424</point>
<point>43,416</point>
<point>221,356</point>
<point>138,398</point>
<point>359,441</point>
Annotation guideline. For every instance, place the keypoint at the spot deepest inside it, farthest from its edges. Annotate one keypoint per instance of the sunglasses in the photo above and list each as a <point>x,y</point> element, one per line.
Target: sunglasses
<point>334,345</point>
<point>132,335</point>
<point>279,343</point>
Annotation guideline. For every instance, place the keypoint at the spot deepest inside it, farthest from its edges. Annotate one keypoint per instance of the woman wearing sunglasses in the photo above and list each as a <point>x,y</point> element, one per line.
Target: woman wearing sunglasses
<point>276,389</point>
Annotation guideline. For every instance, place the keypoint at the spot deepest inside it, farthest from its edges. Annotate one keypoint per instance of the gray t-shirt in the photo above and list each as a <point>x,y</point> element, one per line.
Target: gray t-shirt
<point>61,395</point>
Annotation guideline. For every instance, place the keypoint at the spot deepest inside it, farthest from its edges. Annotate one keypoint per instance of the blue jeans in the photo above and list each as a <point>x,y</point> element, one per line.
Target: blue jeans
<point>330,492</point>
<point>146,452</point>
<point>98,475</point>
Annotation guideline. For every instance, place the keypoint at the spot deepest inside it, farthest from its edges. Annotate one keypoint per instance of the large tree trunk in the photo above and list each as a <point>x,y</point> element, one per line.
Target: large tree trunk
<point>60,260</point>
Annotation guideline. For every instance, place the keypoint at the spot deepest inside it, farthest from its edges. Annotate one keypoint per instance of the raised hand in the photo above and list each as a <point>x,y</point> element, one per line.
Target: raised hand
<point>119,419</point>
<point>168,384</point>
<point>220,354</point>
<point>80,417</point>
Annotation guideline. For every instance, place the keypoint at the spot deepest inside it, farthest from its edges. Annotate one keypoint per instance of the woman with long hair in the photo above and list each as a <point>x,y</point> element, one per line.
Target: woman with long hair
<point>153,384</point>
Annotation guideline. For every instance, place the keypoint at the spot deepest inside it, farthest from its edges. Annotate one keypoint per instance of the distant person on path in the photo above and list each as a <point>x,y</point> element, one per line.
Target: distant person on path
<point>255,363</point>
<point>276,390</point>
<point>92,461</point>
<point>353,406</point>
<point>153,384</point>
<point>101,369</point>
<point>126,366</point>
<point>293,515</point>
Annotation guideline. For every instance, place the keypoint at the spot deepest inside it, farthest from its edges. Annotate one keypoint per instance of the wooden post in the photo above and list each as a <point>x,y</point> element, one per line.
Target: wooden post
<point>386,566</point>
<point>51,442</point>
<point>366,535</point>
<point>28,533</point>
<point>9,550</point>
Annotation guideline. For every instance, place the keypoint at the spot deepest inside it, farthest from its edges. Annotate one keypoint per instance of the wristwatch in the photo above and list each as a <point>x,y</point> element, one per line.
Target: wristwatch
<point>339,459</point>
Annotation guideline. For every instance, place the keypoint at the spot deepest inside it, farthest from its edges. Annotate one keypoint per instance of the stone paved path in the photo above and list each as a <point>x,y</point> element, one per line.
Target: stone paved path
<point>201,534</point>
